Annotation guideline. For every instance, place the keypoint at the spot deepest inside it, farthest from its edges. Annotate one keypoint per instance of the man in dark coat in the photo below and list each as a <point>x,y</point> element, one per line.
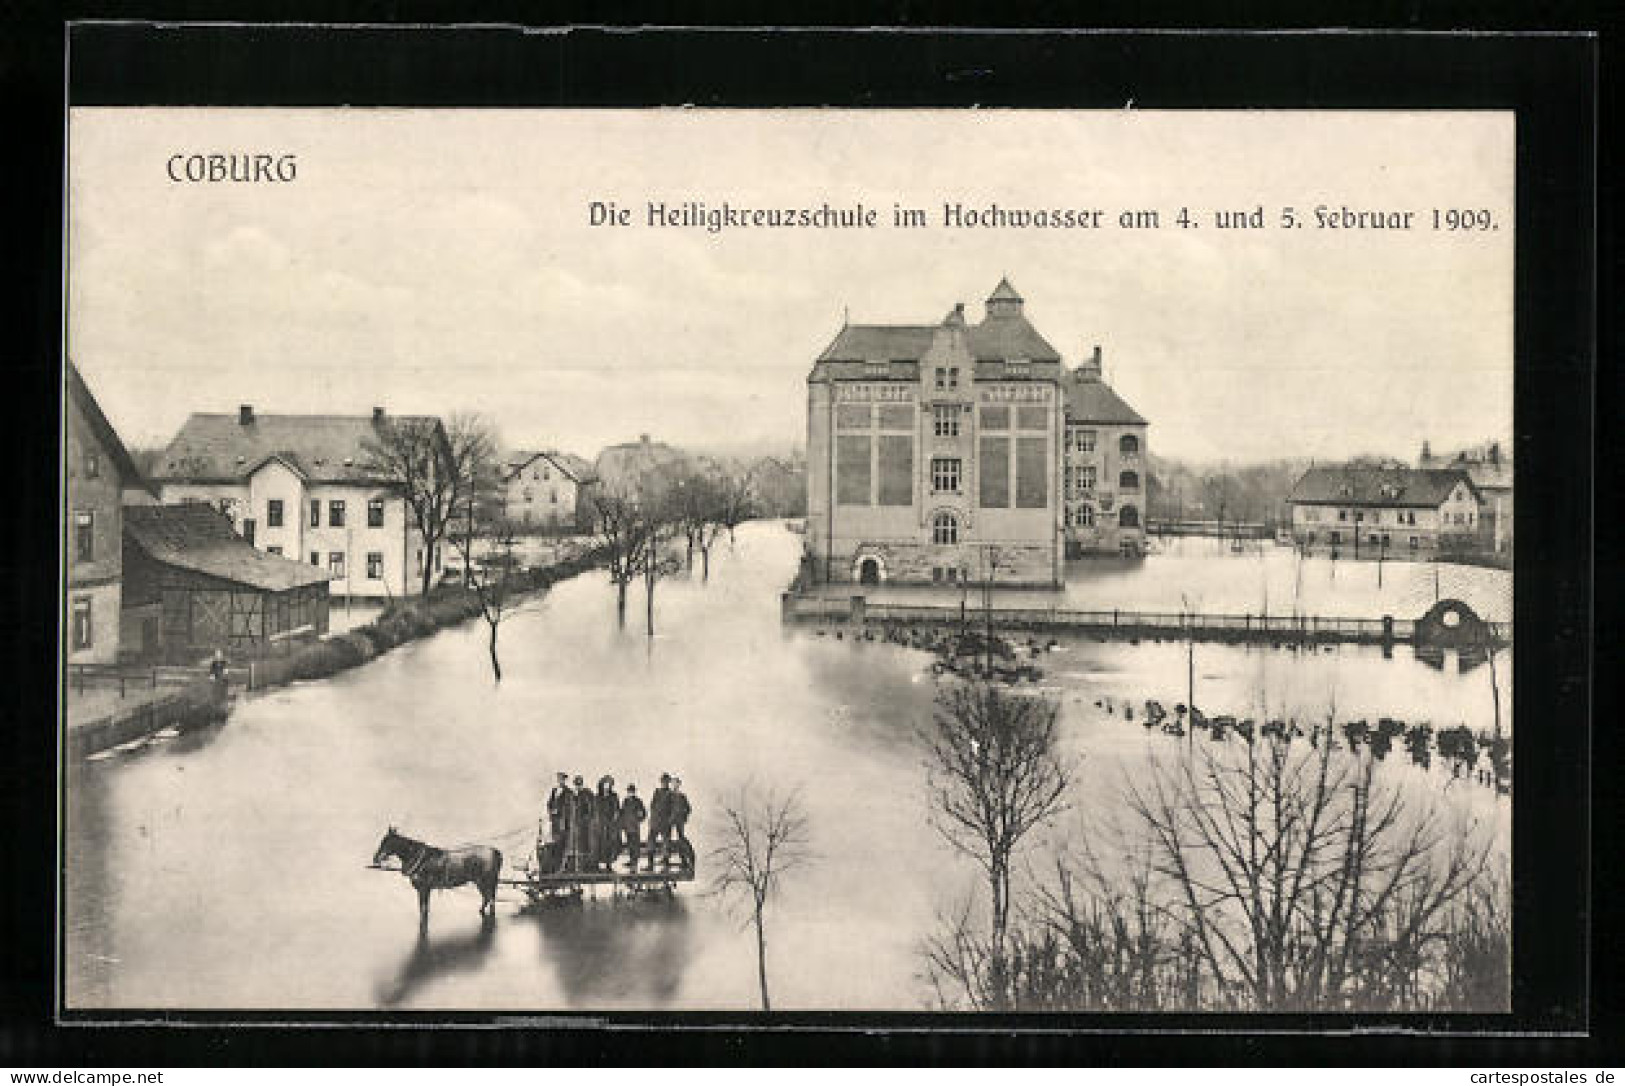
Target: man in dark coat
<point>631,820</point>
<point>680,811</point>
<point>607,810</point>
<point>550,834</point>
<point>660,822</point>
<point>557,810</point>
<point>581,817</point>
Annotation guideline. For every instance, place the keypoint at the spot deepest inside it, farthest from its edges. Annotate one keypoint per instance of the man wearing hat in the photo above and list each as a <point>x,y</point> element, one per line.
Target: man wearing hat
<point>582,809</point>
<point>557,814</point>
<point>679,821</point>
<point>631,820</point>
<point>660,822</point>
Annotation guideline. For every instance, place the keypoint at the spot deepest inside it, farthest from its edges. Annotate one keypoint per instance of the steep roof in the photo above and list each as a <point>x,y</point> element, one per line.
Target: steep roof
<point>1004,292</point>
<point>1420,488</point>
<point>575,468</point>
<point>197,537</point>
<point>996,339</point>
<point>106,436</point>
<point>324,448</point>
<point>1089,399</point>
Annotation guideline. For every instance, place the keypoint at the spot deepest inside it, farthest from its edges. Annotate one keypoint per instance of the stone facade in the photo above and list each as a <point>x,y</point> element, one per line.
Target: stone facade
<point>932,453</point>
<point>1105,470</point>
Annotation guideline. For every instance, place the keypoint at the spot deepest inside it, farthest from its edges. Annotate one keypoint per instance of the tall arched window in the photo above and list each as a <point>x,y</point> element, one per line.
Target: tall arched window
<point>1128,444</point>
<point>1128,480</point>
<point>1128,517</point>
<point>945,528</point>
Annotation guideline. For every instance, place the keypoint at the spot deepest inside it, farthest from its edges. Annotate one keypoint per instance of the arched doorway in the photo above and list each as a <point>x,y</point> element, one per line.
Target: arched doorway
<point>869,571</point>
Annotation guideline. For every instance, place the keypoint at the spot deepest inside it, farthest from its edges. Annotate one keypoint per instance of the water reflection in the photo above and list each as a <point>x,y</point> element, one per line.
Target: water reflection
<point>617,951</point>
<point>434,956</point>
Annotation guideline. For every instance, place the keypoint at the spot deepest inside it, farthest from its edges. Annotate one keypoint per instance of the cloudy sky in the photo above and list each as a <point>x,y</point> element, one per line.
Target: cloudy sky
<point>434,261</point>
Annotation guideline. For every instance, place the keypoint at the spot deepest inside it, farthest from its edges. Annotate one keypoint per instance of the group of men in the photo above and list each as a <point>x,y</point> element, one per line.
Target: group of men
<point>588,830</point>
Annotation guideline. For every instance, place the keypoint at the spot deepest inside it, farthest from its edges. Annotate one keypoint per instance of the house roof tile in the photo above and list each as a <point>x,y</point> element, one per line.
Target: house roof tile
<point>1089,399</point>
<point>325,448</point>
<point>196,536</point>
<point>1420,488</point>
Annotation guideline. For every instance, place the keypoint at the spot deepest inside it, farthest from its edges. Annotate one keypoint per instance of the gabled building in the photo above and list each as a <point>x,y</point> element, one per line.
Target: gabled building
<point>302,486</point>
<point>193,585</point>
<point>933,452</point>
<point>1359,511</point>
<point>544,490</point>
<point>96,472</point>
<point>1104,474</point>
<point>1491,472</point>
<point>624,466</point>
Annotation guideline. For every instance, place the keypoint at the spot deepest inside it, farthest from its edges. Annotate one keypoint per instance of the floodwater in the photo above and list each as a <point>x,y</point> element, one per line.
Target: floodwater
<point>228,869</point>
<point>1262,577</point>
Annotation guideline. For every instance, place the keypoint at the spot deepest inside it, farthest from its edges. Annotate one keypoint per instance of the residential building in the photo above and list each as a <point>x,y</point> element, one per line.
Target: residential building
<point>1491,472</point>
<point>1105,475</point>
<point>624,466</point>
<point>97,471</point>
<point>192,585</point>
<point>1358,511</point>
<point>544,490</point>
<point>303,486</point>
<point>933,452</point>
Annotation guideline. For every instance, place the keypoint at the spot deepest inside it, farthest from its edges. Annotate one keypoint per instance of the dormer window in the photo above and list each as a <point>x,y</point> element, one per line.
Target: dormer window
<point>877,369</point>
<point>1017,367</point>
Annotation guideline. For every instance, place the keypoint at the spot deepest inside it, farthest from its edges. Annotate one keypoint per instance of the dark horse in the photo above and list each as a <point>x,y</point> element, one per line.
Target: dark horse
<point>431,868</point>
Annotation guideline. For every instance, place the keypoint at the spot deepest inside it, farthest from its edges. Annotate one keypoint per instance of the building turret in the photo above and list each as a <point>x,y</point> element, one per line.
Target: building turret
<point>1004,301</point>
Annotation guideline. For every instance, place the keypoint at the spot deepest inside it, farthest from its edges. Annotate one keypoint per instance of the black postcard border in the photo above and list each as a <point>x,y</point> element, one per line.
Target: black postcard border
<point>1549,80</point>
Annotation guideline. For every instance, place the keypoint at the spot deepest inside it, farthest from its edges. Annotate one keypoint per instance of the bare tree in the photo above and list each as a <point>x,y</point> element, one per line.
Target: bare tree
<point>618,527</point>
<point>766,836</point>
<point>736,497</point>
<point>652,561</point>
<point>431,463</point>
<point>695,506</point>
<point>994,775</point>
<point>1303,881</point>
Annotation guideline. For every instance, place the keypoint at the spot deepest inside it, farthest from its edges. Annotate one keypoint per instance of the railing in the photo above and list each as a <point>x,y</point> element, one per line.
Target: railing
<point>126,678</point>
<point>1133,623</point>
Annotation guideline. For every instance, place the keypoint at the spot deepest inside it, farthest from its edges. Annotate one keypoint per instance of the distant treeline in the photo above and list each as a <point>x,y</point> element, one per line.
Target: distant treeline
<point>1250,493</point>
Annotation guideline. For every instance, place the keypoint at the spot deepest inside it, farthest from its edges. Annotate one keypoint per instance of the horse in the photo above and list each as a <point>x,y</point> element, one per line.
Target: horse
<point>431,868</point>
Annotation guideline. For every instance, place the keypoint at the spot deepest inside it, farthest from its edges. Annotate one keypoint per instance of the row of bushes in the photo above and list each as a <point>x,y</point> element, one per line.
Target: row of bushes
<point>408,619</point>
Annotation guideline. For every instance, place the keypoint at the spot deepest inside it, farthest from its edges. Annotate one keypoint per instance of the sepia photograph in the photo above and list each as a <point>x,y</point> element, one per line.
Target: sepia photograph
<point>561,561</point>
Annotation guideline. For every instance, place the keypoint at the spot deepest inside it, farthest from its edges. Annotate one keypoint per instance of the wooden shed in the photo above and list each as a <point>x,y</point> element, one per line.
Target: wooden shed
<point>208,589</point>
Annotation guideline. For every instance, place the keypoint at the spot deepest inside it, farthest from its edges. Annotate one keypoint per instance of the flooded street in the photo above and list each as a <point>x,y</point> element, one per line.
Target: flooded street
<point>228,869</point>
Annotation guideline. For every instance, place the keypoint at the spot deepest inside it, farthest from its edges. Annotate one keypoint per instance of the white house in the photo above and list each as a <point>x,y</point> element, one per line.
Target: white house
<point>300,486</point>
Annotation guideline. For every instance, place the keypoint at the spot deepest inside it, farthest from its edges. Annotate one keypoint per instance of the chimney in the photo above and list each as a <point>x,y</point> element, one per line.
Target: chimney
<point>377,415</point>
<point>245,414</point>
<point>1495,453</point>
<point>1089,368</point>
<point>643,439</point>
